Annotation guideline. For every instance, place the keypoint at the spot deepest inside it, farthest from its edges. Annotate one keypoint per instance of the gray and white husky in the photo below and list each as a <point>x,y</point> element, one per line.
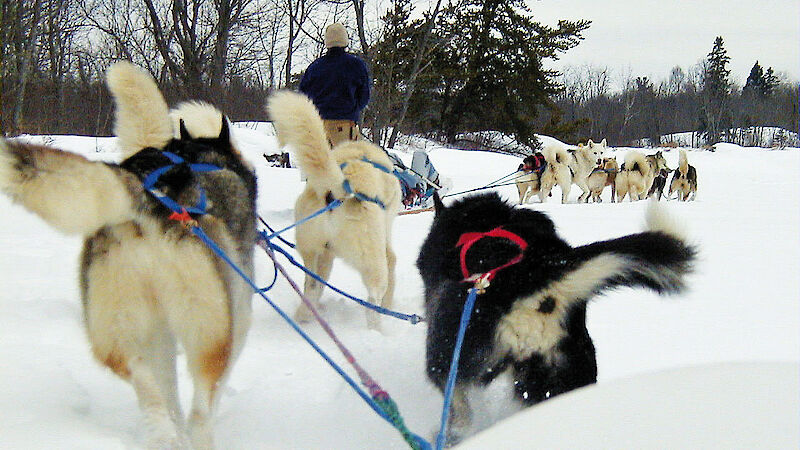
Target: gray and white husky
<point>147,283</point>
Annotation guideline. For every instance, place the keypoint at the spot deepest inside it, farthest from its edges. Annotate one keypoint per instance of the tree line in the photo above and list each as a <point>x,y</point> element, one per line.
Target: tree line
<point>702,99</point>
<point>457,67</point>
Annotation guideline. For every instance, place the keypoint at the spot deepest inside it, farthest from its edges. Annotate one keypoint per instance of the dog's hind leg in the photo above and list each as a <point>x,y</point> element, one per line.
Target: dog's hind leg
<point>206,332</point>
<point>321,264</point>
<point>129,335</point>
<point>375,273</point>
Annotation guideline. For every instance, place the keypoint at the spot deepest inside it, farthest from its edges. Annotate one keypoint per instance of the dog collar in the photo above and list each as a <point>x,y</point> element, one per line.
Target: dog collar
<point>468,239</point>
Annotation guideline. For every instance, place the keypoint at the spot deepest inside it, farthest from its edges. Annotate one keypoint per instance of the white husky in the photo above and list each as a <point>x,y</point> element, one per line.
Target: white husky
<point>359,231</point>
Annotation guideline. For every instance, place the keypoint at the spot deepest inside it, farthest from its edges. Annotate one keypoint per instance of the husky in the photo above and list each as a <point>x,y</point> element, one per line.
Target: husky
<point>359,231</point>
<point>657,189</point>
<point>684,179</point>
<point>531,319</point>
<point>556,172</point>
<point>147,283</point>
<point>528,176</point>
<point>583,162</point>
<point>638,173</point>
<point>603,175</point>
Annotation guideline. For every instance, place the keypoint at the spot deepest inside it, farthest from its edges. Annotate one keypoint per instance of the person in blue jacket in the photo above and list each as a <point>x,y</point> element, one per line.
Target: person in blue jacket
<point>339,85</point>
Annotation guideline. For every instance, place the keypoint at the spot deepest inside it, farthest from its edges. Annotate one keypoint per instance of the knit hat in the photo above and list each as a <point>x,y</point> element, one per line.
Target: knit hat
<point>336,36</point>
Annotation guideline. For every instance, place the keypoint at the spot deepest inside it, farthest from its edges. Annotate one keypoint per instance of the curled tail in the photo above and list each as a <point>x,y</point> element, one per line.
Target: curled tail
<point>636,161</point>
<point>71,193</point>
<point>142,116</point>
<point>298,124</point>
<point>658,259</point>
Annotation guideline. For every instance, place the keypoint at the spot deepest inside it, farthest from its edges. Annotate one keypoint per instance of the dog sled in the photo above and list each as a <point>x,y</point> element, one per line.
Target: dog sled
<point>418,182</point>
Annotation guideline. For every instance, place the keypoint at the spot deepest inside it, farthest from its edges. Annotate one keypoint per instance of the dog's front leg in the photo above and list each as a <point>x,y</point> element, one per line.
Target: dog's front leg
<point>460,422</point>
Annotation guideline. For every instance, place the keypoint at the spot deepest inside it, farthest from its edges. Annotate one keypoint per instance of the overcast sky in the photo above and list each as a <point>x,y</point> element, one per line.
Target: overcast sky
<point>650,37</point>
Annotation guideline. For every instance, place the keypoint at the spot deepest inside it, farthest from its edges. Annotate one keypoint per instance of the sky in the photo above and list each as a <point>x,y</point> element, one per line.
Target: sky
<point>650,37</point>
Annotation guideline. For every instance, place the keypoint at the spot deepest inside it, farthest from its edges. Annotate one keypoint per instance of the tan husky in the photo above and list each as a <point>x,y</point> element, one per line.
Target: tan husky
<point>147,282</point>
<point>684,180</point>
<point>359,231</point>
<point>603,175</point>
<point>637,174</point>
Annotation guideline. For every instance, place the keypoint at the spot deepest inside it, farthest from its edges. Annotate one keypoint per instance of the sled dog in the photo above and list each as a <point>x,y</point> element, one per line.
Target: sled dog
<point>583,161</point>
<point>529,175</point>
<point>637,174</point>
<point>147,282</point>
<point>684,179</point>
<point>556,172</point>
<point>603,175</point>
<point>358,231</point>
<point>657,189</point>
<point>531,319</point>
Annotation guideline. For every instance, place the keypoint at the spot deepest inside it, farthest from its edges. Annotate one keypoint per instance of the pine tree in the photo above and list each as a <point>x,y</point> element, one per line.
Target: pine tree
<point>755,81</point>
<point>715,94</point>
<point>501,81</point>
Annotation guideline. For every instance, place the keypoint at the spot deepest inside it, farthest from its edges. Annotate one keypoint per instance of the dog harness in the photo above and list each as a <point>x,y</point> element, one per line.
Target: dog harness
<point>468,239</point>
<point>358,195</point>
<point>179,212</point>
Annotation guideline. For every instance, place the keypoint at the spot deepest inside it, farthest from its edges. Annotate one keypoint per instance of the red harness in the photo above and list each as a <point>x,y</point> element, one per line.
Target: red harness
<point>468,239</point>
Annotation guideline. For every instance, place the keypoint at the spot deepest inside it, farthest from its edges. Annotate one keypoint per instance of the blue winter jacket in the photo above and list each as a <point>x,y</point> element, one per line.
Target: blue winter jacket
<point>338,83</point>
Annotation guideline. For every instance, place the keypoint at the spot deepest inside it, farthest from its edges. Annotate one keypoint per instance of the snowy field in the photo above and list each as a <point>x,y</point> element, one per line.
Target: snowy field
<point>673,372</point>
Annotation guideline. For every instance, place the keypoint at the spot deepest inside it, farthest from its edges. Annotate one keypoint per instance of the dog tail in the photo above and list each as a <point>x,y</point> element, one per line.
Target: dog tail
<point>683,162</point>
<point>71,193</point>
<point>636,161</point>
<point>556,153</point>
<point>142,116</point>
<point>298,124</point>
<point>658,259</point>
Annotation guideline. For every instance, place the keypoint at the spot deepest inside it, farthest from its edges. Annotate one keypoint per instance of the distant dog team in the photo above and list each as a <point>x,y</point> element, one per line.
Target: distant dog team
<point>640,176</point>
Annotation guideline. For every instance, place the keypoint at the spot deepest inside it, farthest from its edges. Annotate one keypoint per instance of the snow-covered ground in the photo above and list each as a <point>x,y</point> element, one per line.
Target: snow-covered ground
<point>727,350</point>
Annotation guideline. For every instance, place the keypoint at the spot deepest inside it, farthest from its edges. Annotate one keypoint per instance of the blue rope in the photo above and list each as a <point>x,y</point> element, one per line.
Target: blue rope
<point>375,407</point>
<point>272,230</point>
<point>330,206</point>
<point>413,318</point>
<point>451,377</point>
<point>414,440</point>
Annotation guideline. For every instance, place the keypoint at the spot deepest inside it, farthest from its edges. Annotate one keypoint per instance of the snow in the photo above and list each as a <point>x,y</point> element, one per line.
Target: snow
<point>720,360</point>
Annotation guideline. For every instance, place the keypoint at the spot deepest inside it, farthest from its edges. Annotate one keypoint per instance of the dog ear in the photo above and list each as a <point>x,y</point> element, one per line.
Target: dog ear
<point>438,206</point>
<point>603,142</point>
<point>185,136</point>
<point>590,144</point>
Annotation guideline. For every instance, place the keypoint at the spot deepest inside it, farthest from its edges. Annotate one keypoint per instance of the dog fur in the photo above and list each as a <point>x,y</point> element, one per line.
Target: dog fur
<point>584,160</point>
<point>603,175</point>
<point>359,232</point>
<point>657,189</point>
<point>684,179</point>
<point>531,320</point>
<point>637,174</point>
<point>528,180</point>
<point>147,283</point>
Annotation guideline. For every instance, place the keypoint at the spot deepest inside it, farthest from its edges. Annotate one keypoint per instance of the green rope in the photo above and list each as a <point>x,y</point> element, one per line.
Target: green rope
<point>389,407</point>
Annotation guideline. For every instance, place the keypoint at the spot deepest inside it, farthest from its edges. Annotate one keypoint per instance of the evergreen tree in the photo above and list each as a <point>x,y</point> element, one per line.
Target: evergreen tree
<point>500,82</point>
<point>755,81</point>
<point>715,94</point>
<point>770,82</point>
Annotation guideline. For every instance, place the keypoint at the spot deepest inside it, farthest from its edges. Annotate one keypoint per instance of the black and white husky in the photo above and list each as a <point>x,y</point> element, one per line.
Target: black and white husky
<point>147,282</point>
<point>531,320</point>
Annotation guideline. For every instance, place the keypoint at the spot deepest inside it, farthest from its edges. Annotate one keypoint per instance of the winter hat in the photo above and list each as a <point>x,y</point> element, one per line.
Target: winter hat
<point>336,36</point>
